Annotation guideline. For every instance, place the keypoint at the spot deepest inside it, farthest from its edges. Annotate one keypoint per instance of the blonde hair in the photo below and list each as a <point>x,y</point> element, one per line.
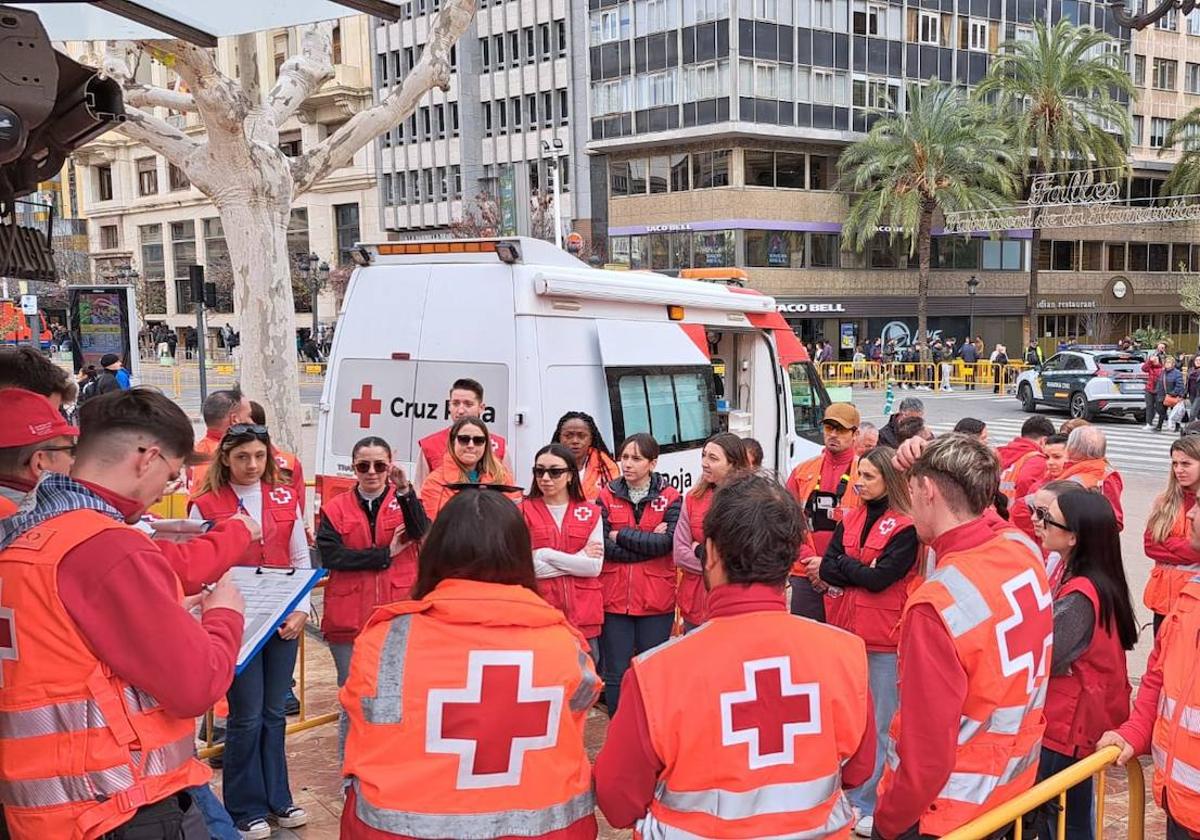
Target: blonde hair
<point>894,481</point>
<point>219,472</point>
<point>488,464</point>
<point>1168,505</point>
<point>965,470</point>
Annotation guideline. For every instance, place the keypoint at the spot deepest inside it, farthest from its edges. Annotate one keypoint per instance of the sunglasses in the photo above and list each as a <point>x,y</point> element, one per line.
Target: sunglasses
<point>364,467</point>
<point>467,440</point>
<point>248,429</point>
<point>1041,514</point>
<point>834,427</point>
<point>553,472</point>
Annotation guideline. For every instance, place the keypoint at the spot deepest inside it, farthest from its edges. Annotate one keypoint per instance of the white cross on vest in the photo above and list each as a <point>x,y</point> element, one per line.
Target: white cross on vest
<point>8,634</point>
<point>583,514</point>
<point>281,495</point>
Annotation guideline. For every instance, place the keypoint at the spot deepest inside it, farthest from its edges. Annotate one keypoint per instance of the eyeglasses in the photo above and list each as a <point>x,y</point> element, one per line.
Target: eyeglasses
<point>175,479</point>
<point>240,429</point>
<point>467,440</point>
<point>834,427</point>
<point>553,472</point>
<point>68,448</point>
<point>364,467</point>
<point>1042,514</point>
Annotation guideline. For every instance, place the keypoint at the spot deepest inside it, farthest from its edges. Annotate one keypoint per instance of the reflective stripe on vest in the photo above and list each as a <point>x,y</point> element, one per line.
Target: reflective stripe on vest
<point>842,815</point>
<point>97,784</point>
<point>742,805</point>
<point>1004,720</point>
<point>1178,567</point>
<point>68,716</point>
<point>585,695</point>
<point>1189,719</point>
<point>1186,775</point>
<point>975,788</point>
<point>385,706</point>
<point>969,609</point>
<point>522,823</point>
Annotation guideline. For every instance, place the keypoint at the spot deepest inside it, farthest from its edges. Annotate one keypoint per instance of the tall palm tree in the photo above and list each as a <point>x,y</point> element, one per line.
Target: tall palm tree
<point>946,154</point>
<point>1185,175</point>
<point>1059,94</point>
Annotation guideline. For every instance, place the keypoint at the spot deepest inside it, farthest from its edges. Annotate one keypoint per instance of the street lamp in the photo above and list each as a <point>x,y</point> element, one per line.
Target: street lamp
<point>317,271</point>
<point>972,288</point>
<point>555,145</point>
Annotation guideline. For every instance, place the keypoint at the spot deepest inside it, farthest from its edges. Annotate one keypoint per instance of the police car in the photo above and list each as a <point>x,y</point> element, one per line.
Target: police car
<point>1087,381</point>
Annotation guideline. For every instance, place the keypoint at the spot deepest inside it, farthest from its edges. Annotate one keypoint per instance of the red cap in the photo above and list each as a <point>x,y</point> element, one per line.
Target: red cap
<point>30,418</point>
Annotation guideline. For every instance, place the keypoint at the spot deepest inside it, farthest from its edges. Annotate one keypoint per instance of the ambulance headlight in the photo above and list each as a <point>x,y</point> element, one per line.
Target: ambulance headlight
<point>508,252</point>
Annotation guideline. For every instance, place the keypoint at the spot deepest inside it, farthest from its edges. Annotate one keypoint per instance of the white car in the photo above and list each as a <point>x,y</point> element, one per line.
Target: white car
<point>1087,381</point>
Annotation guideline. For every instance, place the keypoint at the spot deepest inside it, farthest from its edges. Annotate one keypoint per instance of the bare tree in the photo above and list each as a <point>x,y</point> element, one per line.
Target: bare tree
<point>241,169</point>
<point>480,218</point>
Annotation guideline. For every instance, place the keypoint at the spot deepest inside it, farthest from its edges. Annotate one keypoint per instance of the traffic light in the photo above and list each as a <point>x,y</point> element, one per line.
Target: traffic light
<point>196,277</point>
<point>210,295</point>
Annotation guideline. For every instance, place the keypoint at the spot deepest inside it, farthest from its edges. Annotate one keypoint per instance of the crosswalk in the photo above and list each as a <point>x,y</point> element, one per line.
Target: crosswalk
<point>1130,447</point>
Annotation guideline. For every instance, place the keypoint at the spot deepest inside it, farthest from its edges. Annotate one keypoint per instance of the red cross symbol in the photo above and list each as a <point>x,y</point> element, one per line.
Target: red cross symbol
<point>769,712</point>
<point>281,462</point>
<point>365,406</point>
<point>1025,636</point>
<point>887,526</point>
<point>498,717</point>
<point>583,514</point>
<point>8,636</point>
<point>659,504</point>
<point>281,495</point>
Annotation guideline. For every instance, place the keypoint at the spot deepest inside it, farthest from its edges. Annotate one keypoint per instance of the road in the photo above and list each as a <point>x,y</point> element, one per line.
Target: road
<point>1142,458</point>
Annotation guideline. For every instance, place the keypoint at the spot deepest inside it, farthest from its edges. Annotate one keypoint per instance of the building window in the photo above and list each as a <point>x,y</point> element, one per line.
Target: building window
<point>1193,22</point>
<point>1139,70</point>
<point>869,20</point>
<point>1002,255</point>
<point>610,24</point>
<point>514,48</point>
<point>336,44</point>
<point>345,219</point>
<point>289,143</point>
<point>818,172</point>
<point>1159,127</point>
<point>680,169</point>
<point>930,28</point>
<point>104,183</point>
<point>822,87</point>
<point>1164,73</point>
<point>705,81</point>
<point>560,29</point>
<point>824,250</point>
<point>279,47</point>
<point>656,89</point>
<point>487,119</point>
<point>498,51</point>
<point>147,175</point>
<point>1169,21</point>
<point>1191,78</point>
<point>109,237</point>
<point>151,243</point>
<point>977,35</point>
<point>774,249</point>
<point>822,14</point>
<point>710,169</point>
<point>217,265</point>
<point>562,106</point>
<point>618,178</point>
<point>456,174</point>
<point>654,16</point>
<point>877,94</point>
<point>183,248</point>
<point>530,50</point>
<point>1137,130</point>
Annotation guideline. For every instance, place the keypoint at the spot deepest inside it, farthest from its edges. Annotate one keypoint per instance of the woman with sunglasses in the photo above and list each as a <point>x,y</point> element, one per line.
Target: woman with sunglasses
<point>723,455</point>
<point>1166,540</point>
<point>471,461</point>
<point>368,538</point>
<point>244,478</point>
<point>1094,624</point>
<point>1039,503</point>
<point>578,432</point>
<point>567,535</point>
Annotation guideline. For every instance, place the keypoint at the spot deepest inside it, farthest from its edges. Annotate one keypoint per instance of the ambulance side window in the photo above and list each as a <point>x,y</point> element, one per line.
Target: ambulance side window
<point>673,404</point>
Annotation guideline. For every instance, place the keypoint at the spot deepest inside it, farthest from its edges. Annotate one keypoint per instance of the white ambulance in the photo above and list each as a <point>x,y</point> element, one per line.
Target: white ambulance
<point>545,334</point>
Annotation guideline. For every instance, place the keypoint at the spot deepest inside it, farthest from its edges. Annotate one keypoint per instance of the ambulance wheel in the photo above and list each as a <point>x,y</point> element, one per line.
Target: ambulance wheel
<point>1025,395</point>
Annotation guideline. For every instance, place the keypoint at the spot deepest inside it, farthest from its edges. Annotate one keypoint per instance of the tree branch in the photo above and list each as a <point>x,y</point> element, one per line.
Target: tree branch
<point>160,136</point>
<point>218,98</point>
<point>149,96</point>
<point>301,75</point>
<point>433,70</point>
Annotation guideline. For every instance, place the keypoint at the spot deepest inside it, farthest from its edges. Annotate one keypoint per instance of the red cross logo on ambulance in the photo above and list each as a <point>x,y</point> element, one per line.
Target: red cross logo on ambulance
<point>492,722</point>
<point>366,406</point>
<point>769,712</point>
<point>583,514</point>
<point>281,495</point>
<point>1024,646</point>
<point>8,634</point>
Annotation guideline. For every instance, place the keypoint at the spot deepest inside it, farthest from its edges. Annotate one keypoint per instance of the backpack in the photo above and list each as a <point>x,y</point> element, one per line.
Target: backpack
<point>87,391</point>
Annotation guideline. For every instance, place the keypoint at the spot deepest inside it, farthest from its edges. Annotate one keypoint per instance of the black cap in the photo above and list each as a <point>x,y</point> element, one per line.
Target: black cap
<point>109,359</point>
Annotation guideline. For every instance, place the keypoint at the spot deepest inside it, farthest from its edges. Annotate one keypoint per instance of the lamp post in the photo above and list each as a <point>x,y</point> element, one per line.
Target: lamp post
<point>317,271</point>
<point>555,146</point>
<point>972,288</point>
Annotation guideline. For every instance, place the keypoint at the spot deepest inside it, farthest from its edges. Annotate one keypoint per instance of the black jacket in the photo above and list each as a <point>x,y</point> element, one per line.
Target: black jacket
<point>897,558</point>
<point>631,544</point>
<point>333,551</point>
<point>889,434</point>
<point>106,381</point>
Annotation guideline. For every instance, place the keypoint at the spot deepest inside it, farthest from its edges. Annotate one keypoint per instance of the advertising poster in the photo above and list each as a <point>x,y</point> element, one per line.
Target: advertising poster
<point>99,324</point>
<point>849,336</point>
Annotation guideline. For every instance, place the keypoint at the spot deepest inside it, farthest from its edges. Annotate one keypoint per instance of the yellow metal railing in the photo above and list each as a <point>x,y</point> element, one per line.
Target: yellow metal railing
<point>928,374</point>
<point>1055,788</point>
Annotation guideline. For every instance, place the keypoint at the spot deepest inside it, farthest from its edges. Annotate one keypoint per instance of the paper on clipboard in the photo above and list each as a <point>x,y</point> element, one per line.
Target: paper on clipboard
<point>271,595</point>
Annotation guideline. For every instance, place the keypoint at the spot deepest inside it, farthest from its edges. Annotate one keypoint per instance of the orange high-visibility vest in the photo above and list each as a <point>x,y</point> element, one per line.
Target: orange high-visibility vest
<point>7,507</point>
<point>80,749</point>
<point>1010,476</point>
<point>600,470</point>
<point>753,716</point>
<point>691,596</point>
<point>197,473</point>
<point>466,713</point>
<point>995,603</point>
<point>803,481</point>
<point>436,491</point>
<point>436,446</point>
<point>1167,579</point>
<point>1175,743</point>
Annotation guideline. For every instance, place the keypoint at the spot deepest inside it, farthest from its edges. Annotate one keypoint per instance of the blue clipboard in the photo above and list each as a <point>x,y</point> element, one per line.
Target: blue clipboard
<point>307,578</point>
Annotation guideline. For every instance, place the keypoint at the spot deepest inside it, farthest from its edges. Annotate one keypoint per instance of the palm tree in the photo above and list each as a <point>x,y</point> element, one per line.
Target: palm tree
<point>946,154</point>
<point>1059,95</point>
<point>1185,176</point>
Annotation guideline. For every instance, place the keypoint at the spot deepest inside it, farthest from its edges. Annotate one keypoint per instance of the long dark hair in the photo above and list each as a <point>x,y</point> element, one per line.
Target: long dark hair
<point>479,535</point>
<point>597,438</point>
<point>1097,557</point>
<point>574,485</point>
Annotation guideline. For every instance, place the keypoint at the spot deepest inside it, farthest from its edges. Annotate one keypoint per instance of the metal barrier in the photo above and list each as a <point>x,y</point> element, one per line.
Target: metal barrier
<point>850,373</point>
<point>913,374</point>
<point>1055,787</point>
<point>922,374</point>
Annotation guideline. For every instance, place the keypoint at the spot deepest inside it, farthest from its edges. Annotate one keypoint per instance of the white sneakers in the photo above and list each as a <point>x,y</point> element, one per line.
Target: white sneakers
<point>864,827</point>
<point>255,830</point>
<point>293,817</point>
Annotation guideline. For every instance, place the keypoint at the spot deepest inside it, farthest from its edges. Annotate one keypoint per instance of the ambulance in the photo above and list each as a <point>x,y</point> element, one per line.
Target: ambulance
<point>545,334</point>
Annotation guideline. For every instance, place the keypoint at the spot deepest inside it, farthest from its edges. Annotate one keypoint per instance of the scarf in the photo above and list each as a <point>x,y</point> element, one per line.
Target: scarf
<point>54,495</point>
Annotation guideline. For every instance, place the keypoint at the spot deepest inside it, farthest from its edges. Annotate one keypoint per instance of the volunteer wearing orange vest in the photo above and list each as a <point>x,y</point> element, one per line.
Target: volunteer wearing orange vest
<point>1088,467</point>
<point>221,410</point>
<point>368,539</point>
<point>1023,467</point>
<point>243,477</point>
<point>290,468</point>
<point>1167,540</point>
<point>467,704</point>
<point>870,566</point>
<point>723,455</point>
<point>471,460</point>
<point>34,439</point>
<point>578,432</point>
<point>1167,706</point>
<point>641,511</point>
<point>974,654</point>
<point>753,724</point>
<point>465,400</point>
<point>102,670</point>
<point>824,488</point>
<point>1094,625</point>
<point>567,533</point>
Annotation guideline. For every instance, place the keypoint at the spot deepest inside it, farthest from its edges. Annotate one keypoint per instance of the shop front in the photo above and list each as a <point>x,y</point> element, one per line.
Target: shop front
<point>1125,305</point>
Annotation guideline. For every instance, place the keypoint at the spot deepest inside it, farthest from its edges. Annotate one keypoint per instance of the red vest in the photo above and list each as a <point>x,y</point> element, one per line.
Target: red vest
<point>351,597</point>
<point>693,597</point>
<point>645,587</point>
<point>278,518</point>
<point>872,616</point>
<point>1093,696</point>
<point>293,473</point>
<point>435,446</point>
<point>579,598</point>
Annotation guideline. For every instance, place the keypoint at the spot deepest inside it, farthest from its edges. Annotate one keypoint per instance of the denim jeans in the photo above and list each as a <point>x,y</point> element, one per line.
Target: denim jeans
<point>255,779</point>
<point>1081,819</point>
<point>806,601</point>
<point>881,668</point>
<point>220,826</point>
<point>622,637</point>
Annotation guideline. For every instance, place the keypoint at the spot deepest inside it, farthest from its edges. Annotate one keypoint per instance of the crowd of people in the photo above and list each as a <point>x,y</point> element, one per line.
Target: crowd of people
<point>956,628</point>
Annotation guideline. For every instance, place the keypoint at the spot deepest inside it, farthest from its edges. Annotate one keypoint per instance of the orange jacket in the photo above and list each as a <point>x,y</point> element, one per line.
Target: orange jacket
<point>1175,563</point>
<point>995,603</point>
<point>435,446</point>
<point>803,481</point>
<point>436,492</point>
<point>466,712</point>
<point>80,749</point>
<point>207,445</point>
<point>1097,473</point>
<point>1175,743</point>
<point>7,507</point>
<point>752,716</point>
<point>600,470</point>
